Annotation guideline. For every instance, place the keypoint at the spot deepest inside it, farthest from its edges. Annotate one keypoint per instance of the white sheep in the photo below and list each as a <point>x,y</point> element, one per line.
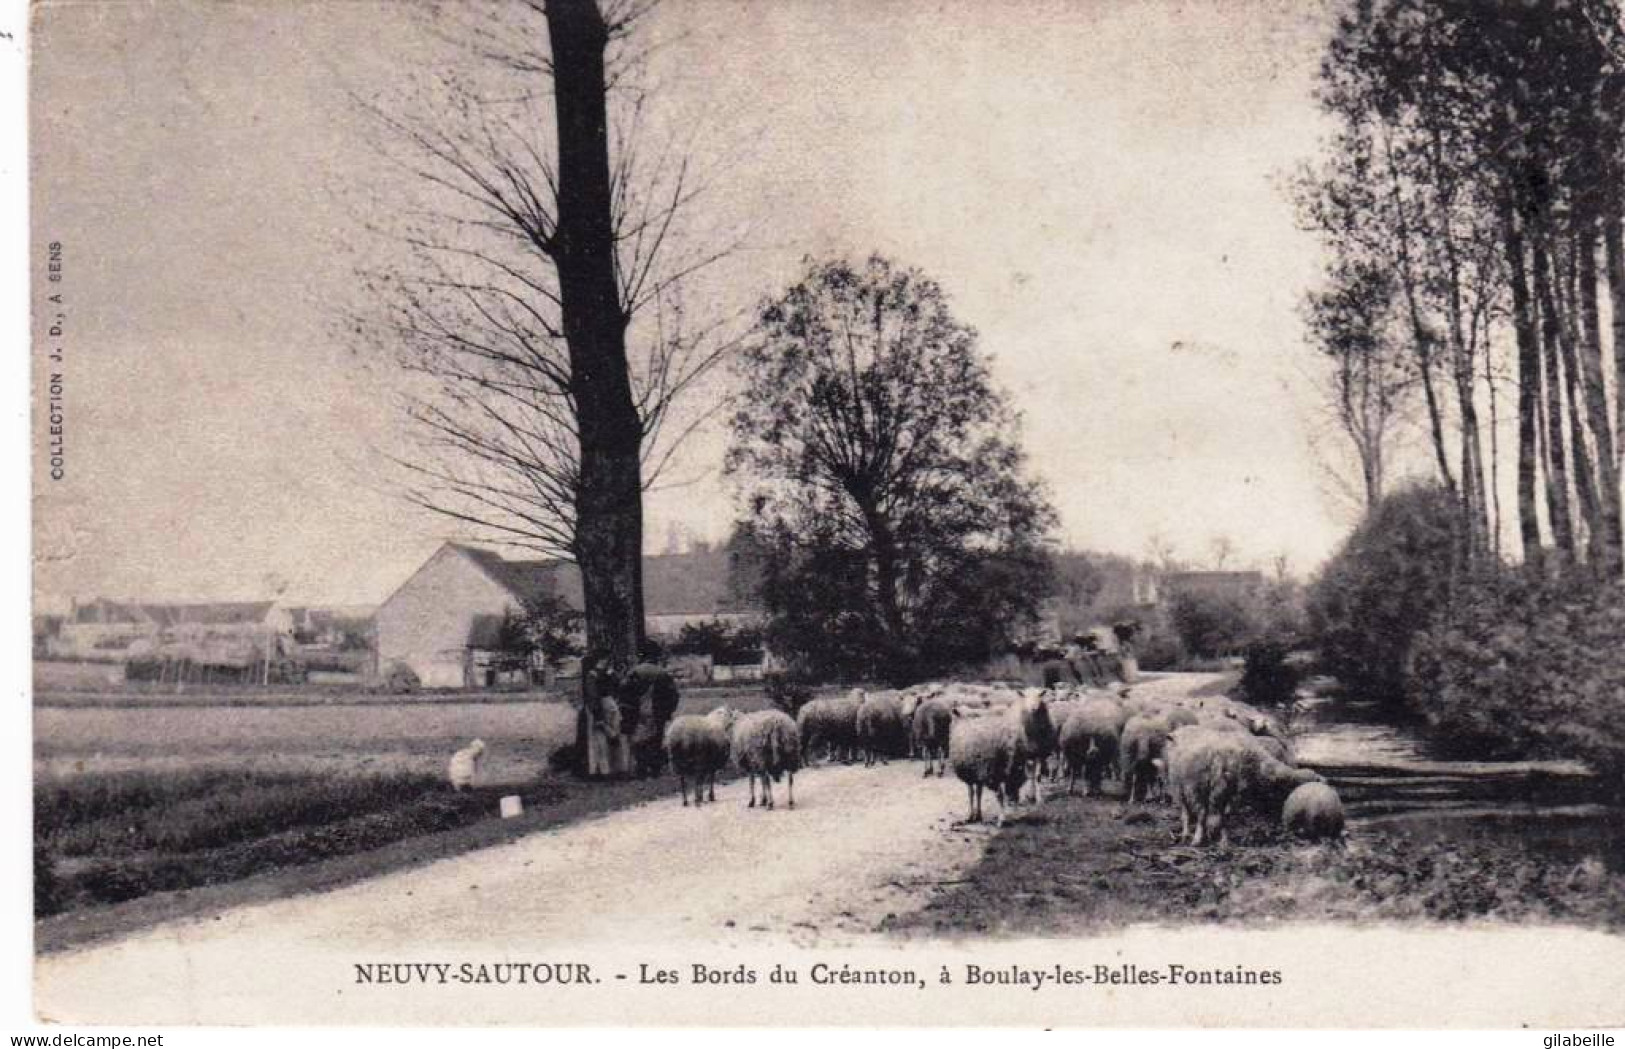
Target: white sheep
<point>1144,740</point>
<point>995,751</point>
<point>1313,811</point>
<point>465,764</point>
<point>765,745</point>
<point>1208,772</point>
<point>1090,738</point>
<point>882,732</point>
<point>831,726</point>
<point>699,747</point>
<point>929,732</point>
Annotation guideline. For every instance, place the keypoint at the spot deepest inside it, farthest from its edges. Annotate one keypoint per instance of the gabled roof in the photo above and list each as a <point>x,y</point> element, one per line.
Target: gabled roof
<point>673,584</point>
<point>526,580</point>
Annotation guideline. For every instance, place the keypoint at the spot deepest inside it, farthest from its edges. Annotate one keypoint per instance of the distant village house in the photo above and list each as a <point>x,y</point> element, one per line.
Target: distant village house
<point>444,622</point>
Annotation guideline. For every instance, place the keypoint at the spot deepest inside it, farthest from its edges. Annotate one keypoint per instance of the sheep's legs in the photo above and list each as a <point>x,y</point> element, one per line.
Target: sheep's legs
<point>790,788</point>
<point>970,794</point>
<point>752,804</point>
<point>767,790</point>
<point>682,785</point>
<point>711,783</point>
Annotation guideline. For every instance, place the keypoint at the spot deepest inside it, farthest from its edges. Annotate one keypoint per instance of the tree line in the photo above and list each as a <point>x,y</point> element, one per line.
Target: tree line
<point>1470,203</point>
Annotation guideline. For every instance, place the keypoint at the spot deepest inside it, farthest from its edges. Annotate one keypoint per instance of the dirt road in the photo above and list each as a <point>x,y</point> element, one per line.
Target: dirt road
<point>860,844</point>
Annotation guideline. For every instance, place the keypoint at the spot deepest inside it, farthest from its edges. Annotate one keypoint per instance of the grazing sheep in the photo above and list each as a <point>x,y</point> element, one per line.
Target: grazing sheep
<point>995,751</point>
<point>882,732</point>
<point>1061,707</point>
<point>1222,723</point>
<point>1313,811</point>
<point>465,764</point>
<point>1278,749</point>
<point>765,745</point>
<point>1208,772</point>
<point>830,726</point>
<point>1179,717</point>
<point>699,747</point>
<point>1089,740</point>
<point>933,723</point>
<point>1144,740</point>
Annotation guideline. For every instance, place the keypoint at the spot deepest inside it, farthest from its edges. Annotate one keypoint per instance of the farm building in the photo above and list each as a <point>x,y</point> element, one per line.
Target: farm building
<point>1215,584</point>
<point>103,629</point>
<point>444,622</point>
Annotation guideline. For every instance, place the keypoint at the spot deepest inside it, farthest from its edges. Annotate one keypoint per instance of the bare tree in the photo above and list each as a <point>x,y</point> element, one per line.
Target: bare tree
<point>535,293</point>
<point>1161,554</point>
<point>1367,380</point>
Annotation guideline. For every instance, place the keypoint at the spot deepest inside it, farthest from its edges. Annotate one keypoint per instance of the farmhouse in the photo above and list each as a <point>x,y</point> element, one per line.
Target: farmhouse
<point>444,622</point>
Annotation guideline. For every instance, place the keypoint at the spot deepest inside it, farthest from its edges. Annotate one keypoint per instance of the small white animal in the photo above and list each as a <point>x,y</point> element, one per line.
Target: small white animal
<point>464,764</point>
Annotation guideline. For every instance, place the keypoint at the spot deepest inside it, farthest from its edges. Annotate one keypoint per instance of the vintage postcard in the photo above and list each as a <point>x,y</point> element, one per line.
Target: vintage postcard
<point>802,513</point>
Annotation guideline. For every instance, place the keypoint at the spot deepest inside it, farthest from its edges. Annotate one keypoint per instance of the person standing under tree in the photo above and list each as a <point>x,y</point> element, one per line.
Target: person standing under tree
<point>598,719</point>
<point>648,679</point>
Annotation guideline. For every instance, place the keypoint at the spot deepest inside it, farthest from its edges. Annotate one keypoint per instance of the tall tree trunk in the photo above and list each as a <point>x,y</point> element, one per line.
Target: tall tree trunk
<point>1494,479</point>
<point>1523,324</point>
<point>1606,542</point>
<point>1614,265</point>
<point>609,492</point>
<point>1557,476</point>
<point>1422,337</point>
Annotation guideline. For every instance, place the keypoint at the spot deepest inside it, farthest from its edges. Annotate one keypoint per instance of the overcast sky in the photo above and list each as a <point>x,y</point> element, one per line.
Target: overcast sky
<point>1096,185</point>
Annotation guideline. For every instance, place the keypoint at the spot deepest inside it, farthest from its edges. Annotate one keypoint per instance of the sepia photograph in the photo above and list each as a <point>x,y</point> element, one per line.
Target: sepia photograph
<point>814,513</point>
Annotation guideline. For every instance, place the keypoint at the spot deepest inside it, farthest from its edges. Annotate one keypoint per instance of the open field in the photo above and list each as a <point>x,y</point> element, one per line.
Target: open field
<point>414,736</point>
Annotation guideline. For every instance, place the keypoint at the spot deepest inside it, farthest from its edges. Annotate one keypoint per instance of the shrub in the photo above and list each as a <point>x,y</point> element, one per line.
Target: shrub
<point>1519,665</point>
<point>1159,651</point>
<point>1268,679</point>
<point>789,690</point>
<point>400,678</point>
<point>1387,582</point>
<point>1211,625</point>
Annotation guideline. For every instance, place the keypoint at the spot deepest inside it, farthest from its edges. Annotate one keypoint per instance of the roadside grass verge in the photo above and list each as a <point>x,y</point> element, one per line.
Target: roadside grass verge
<point>120,836</point>
<point>432,825</point>
<point>1079,866</point>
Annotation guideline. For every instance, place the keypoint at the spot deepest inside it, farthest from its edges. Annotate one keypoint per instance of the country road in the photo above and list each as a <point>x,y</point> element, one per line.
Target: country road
<point>861,843</point>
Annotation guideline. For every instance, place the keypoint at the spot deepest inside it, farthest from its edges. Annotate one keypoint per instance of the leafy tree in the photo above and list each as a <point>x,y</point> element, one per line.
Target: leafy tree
<point>546,625</point>
<point>1477,164</point>
<point>722,642</point>
<point>883,476</point>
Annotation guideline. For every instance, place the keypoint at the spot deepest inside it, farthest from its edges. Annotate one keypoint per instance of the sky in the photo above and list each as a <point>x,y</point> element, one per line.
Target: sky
<point>1095,185</point>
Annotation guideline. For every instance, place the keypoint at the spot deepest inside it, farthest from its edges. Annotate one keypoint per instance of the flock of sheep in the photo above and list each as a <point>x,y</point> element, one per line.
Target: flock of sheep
<point>1209,755</point>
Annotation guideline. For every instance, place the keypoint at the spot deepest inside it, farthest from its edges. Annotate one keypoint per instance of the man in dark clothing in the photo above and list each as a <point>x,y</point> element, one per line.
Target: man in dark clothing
<point>1057,670</point>
<point>654,683</point>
